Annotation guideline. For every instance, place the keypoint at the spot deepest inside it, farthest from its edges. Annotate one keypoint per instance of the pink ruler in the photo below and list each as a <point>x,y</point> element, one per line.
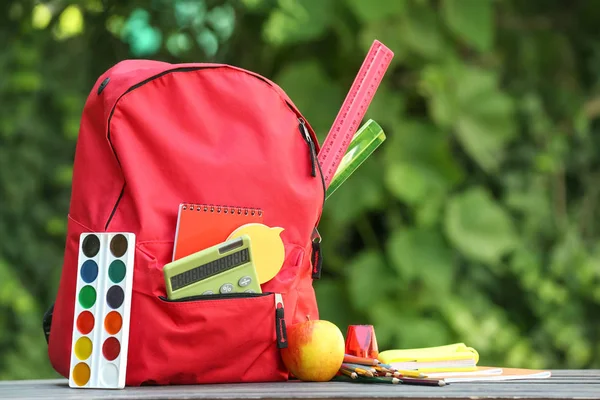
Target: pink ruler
<point>354,108</point>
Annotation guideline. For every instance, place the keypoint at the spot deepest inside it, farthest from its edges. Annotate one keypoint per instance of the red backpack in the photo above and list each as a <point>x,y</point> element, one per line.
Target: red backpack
<point>154,135</point>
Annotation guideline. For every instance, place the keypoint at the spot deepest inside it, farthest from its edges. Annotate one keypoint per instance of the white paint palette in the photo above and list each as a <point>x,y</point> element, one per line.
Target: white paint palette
<point>102,310</point>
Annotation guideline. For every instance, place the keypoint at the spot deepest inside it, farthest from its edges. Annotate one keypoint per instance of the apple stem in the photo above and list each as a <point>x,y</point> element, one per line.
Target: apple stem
<point>307,317</point>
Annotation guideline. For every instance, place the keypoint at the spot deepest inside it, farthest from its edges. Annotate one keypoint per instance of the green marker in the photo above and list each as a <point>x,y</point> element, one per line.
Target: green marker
<point>363,144</point>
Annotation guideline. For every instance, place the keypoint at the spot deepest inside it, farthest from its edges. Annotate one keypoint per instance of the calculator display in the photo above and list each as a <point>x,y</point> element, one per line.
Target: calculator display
<point>210,269</point>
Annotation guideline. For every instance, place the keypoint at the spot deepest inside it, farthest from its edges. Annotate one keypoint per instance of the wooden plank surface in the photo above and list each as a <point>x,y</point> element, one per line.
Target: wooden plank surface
<point>575,384</point>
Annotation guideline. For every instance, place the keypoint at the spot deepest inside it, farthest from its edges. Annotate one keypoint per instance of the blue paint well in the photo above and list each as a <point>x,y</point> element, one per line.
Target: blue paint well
<point>89,271</point>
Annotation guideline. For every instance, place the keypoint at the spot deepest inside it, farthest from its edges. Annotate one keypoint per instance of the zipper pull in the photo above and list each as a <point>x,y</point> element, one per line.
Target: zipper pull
<point>313,150</point>
<point>280,328</point>
<point>316,257</point>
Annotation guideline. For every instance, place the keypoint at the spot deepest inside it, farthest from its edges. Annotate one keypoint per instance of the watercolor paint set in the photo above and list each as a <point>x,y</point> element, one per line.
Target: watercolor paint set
<point>102,310</point>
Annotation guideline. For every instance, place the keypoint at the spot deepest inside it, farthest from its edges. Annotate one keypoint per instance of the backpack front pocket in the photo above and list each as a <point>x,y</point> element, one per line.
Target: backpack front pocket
<point>204,339</point>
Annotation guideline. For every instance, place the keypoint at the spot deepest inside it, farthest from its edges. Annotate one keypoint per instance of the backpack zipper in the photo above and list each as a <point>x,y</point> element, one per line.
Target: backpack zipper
<point>218,296</point>
<point>311,147</point>
<point>316,256</point>
<point>314,161</point>
<point>280,328</point>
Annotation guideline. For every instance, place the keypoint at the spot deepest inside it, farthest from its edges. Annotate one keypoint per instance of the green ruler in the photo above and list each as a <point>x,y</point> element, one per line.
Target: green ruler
<point>363,144</point>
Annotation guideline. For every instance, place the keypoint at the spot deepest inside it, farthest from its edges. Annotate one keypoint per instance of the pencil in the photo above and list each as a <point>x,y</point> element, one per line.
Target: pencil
<point>424,382</point>
<point>358,370</point>
<point>393,381</point>
<point>388,380</point>
<point>385,371</point>
<point>413,373</point>
<point>351,374</point>
<point>343,378</point>
<point>363,372</point>
<point>410,381</point>
<point>400,372</point>
<point>365,367</point>
<point>410,374</point>
<point>360,360</point>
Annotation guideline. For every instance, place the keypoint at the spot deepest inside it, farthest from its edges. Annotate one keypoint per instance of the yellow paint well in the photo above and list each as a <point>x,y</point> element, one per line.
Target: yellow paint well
<point>83,348</point>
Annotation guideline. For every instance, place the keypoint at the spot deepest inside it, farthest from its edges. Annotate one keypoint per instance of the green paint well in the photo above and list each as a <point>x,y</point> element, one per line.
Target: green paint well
<point>116,271</point>
<point>87,296</point>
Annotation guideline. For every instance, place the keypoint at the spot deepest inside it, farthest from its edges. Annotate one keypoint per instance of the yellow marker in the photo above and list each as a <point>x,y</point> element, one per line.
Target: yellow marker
<point>267,248</point>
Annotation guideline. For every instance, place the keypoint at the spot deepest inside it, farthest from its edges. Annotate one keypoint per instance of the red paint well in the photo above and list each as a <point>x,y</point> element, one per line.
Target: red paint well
<point>111,348</point>
<point>85,322</point>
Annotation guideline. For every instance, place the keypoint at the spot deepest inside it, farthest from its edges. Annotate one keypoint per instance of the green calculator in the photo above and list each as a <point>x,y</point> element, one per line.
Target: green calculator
<point>221,269</point>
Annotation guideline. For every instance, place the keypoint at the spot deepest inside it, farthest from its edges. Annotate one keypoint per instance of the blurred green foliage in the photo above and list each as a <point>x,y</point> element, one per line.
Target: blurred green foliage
<point>477,220</point>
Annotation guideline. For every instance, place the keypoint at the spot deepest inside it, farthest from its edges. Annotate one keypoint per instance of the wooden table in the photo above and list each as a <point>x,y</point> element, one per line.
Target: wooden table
<point>574,384</point>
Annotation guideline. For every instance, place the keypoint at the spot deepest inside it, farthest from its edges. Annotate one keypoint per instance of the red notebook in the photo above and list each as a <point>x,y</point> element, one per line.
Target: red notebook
<point>201,226</point>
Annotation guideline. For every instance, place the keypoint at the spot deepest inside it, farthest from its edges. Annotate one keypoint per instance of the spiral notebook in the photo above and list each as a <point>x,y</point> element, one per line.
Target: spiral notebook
<point>200,226</point>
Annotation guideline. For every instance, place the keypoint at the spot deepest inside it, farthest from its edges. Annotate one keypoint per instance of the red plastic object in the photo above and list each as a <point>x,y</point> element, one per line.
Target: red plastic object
<point>361,341</point>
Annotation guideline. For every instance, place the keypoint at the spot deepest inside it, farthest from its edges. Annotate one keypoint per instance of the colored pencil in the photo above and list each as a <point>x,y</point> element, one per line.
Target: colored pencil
<point>365,367</point>
<point>382,370</point>
<point>364,372</point>
<point>389,380</point>
<point>350,370</point>
<point>351,374</point>
<point>424,382</point>
<point>360,360</point>
<point>402,371</point>
<point>410,374</point>
<point>358,370</point>
<point>411,381</point>
<point>343,378</point>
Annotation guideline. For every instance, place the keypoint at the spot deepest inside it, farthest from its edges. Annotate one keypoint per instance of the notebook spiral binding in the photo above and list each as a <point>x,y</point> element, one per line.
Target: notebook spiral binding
<point>222,209</point>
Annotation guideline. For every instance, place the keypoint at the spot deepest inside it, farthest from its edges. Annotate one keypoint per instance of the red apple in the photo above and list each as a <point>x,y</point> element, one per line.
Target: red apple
<point>315,350</point>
